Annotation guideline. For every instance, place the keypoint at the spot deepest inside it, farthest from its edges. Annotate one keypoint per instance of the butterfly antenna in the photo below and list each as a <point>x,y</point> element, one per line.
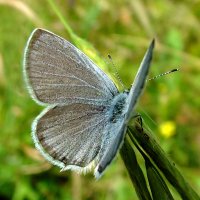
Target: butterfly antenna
<point>169,72</point>
<point>116,72</point>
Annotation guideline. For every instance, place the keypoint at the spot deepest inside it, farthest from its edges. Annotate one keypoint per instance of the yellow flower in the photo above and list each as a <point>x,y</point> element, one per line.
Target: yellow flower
<point>167,129</point>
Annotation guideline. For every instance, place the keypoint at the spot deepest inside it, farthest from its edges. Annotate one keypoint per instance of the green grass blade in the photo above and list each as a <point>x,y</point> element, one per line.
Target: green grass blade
<point>134,170</point>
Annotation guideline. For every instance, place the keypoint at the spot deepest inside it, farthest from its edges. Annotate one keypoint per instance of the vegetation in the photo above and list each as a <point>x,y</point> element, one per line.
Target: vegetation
<point>169,106</point>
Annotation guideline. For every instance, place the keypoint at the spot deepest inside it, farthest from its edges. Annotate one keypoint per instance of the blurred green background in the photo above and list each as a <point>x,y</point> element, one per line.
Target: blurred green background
<point>170,105</point>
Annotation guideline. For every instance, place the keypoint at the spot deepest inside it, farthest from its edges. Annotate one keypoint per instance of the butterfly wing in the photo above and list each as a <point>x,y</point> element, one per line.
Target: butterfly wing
<point>132,99</point>
<point>58,73</point>
<point>140,79</point>
<point>69,131</point>
<point>109,150</point>
<point>70,136</point>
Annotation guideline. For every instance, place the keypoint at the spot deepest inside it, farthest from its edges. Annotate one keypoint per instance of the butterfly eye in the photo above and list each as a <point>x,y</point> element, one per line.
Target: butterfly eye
<point>126,91</point>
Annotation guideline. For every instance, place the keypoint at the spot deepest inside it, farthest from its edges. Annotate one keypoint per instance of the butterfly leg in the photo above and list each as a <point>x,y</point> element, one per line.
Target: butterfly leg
<point>139,120</point>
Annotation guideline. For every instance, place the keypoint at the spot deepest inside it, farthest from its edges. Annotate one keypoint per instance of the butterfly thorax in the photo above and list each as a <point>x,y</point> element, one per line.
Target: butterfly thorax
<point>118,107</point>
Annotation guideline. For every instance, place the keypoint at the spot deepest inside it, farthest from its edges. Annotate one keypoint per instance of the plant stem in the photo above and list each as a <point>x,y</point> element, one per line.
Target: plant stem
<point>134,170</point>
<point>167,167</point>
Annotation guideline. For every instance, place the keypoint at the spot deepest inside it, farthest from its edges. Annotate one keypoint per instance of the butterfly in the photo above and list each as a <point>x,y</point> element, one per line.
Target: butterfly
<point>86,117</point>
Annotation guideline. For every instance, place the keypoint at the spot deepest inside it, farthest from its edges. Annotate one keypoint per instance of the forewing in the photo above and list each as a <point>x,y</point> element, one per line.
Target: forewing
<point>70,136</point>
<point>139,82</point>
<point>57,72</point>
<point>118,130</point>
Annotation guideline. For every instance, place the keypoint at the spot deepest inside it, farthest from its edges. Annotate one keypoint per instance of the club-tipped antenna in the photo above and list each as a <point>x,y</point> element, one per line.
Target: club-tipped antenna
<point>163,74</point>
<point>116,72</point>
